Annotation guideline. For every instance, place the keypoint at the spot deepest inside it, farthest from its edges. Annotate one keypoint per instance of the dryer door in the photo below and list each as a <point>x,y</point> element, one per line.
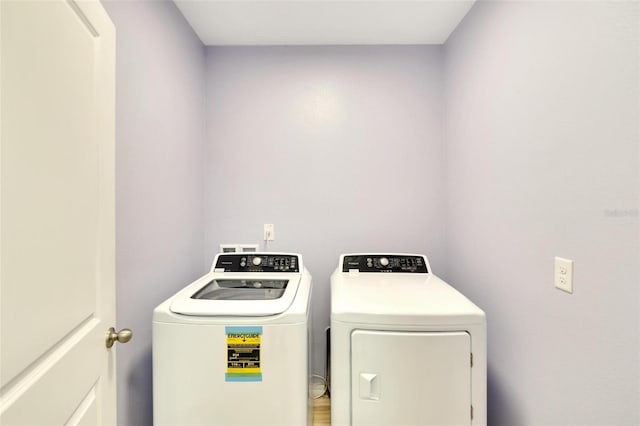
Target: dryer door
<point>410,378</point>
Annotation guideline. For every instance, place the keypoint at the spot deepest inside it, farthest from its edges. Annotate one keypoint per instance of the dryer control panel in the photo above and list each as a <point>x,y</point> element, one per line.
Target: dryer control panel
<point>396,263</point>
<point>257,262</point>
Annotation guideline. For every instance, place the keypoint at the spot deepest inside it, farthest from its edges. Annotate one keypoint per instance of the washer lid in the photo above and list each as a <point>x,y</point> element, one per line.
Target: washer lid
<point>228,294</point>
<point>242,289</point>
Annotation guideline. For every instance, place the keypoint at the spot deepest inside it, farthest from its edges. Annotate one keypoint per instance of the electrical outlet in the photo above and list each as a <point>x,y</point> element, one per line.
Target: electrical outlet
<point>269,232</point>
<point>563,275</point>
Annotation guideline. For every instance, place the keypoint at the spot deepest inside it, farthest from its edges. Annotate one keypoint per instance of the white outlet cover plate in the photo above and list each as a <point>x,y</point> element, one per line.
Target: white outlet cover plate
<point>563,274</point>
<point>269,232</point>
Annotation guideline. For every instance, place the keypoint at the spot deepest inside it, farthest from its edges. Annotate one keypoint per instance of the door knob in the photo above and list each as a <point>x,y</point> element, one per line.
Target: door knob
<point>122,336</point>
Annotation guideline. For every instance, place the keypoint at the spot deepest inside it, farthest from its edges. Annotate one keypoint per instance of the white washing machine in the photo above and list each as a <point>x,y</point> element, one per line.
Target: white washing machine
<point>407,349</point>
<point>232,348</point>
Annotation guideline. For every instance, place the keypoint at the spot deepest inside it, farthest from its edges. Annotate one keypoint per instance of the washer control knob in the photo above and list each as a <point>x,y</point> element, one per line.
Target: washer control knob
<point>257,261</point>
<point>384,261</point>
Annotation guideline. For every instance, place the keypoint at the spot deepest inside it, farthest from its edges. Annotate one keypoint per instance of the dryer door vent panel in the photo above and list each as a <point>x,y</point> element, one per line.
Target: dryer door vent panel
<point>410,378</point>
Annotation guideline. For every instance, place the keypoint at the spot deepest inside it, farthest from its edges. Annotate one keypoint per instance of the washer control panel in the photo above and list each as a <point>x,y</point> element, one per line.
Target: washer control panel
<point>394,263</point>
<point>257,262</point>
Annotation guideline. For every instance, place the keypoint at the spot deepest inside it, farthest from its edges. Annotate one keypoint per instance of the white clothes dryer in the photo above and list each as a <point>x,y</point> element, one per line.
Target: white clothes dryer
<point>407,349</point>
<point>232,348</point>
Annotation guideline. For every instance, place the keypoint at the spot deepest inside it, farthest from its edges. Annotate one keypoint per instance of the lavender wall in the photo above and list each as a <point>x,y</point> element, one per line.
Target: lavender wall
<point>159,145</point>
<point>542,161</point>
<point>515,142</point>
<point>339,147</point>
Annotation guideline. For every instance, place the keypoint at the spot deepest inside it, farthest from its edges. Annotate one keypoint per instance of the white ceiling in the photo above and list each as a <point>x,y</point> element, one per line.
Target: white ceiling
<point>323,22</point>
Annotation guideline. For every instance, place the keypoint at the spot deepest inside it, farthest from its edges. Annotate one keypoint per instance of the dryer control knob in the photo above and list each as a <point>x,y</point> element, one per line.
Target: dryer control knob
<point>384,261</point>
<point>257,261</point>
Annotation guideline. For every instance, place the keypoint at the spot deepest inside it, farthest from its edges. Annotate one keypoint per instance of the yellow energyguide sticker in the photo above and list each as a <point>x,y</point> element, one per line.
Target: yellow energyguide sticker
<point>243,354</point>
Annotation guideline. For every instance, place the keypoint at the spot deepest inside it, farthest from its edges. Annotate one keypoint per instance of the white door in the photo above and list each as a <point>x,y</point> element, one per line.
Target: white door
<point>57,288</point>
<point>410,378</point>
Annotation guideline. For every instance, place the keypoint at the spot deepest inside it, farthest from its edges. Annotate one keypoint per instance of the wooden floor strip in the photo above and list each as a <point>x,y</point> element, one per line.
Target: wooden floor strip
<point>322,411</point>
